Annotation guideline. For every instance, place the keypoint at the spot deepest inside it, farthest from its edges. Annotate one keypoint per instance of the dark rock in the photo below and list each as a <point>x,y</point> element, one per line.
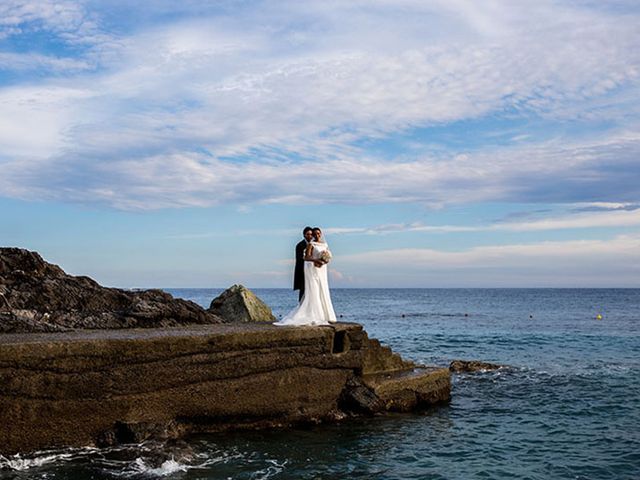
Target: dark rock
<point>462,366</point>
<point>405,391</point>
<point>239,304</point>
<point>138,432</point>
<point>357,398</point>
<point>36,296</point>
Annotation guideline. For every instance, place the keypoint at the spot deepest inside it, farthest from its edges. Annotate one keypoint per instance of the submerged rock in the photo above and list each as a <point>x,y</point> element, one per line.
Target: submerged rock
<point>239,304</point>
<point>460,366</point>
<point>36,296</point>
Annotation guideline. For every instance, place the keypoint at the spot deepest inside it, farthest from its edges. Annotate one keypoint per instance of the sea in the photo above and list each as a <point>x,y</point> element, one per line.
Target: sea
<point>565,405</point>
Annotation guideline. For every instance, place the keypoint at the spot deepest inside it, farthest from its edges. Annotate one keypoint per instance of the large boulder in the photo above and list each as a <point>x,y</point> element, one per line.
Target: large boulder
<point>36,296</point>
<point>239,304</point>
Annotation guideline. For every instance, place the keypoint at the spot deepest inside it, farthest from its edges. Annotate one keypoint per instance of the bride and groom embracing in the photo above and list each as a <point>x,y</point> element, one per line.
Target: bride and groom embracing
<point>310,277</point>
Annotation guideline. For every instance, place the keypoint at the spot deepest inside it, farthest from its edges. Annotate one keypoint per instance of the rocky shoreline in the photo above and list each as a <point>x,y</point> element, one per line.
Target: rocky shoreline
<point>185,372</point>
<point>37,296</point>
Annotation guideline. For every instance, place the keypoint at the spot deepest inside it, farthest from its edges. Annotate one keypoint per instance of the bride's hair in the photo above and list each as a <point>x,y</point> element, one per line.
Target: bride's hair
<point>320,230</point>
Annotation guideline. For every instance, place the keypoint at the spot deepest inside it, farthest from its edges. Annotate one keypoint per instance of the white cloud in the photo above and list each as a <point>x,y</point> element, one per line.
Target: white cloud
<point>35,120</point>
<point>547,173</point>
<point>67,22</point>
<point>158,125</point>
<point>605,206</point>
<point>32,61</point>
<point>614,262</point>
<point>65,17</point>
<point>616,216</point>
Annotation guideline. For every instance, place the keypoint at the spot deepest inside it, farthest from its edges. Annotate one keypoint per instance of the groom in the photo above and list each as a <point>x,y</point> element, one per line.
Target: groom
<point>298,272</point>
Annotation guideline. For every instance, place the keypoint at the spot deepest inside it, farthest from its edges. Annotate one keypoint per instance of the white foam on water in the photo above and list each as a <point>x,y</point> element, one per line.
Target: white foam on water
<point>168,467</point>
<point>272,470</point>
<point>146,467</point>
<point>20,462</point>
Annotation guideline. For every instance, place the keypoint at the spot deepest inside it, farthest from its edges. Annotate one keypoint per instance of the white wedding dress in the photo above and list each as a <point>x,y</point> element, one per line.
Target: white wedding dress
<point>315,308</point>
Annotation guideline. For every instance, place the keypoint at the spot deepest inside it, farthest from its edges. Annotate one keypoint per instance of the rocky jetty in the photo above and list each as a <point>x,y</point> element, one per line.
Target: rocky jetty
<point>103,387</point>
<point>36,296</point>
<point>108,386</point>
<point>239,304</point>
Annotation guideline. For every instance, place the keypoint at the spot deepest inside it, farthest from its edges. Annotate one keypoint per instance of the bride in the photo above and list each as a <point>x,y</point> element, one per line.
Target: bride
<point>315,308</point>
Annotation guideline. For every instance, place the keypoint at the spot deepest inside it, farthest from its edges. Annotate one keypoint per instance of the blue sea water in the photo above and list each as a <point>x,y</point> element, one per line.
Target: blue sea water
<point>567,406</point>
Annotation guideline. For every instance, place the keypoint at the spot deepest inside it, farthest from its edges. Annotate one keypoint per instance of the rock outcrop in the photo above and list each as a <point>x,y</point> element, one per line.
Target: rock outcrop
<point>239,304</point>
<point>36,296</point>
<point>465,366</point>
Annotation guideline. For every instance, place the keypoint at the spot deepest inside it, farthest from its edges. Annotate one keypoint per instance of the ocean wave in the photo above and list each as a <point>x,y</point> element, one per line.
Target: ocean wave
<point>140,467</point>
<point>154,459</point>
<point>144,460</point>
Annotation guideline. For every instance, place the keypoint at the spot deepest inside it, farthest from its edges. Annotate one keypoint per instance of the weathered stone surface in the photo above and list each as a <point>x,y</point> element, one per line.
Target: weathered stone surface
<point>404,391</point>
<point>460,366</point>
<point>36,296</point>
<point>379,358</point>
<point>101,387</point>
<point>239,304</point>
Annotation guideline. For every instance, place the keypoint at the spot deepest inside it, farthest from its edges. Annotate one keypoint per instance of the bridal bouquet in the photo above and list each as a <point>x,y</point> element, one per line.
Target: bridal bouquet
<point>325,256</point>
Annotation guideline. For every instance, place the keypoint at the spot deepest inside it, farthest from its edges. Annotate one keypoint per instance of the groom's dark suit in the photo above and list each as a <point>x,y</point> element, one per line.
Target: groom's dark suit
<point>298,272</point>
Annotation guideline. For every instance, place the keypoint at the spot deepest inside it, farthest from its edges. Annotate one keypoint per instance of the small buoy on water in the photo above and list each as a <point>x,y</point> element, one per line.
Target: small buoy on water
<point>598,317</point>
<point>466,314</point>
<point>340,315</point>
<point>403,315</point>
<point>530,316</point>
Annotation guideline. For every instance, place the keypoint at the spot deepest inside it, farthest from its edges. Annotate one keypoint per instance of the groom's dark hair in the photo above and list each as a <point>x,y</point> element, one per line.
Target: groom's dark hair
<point>307,229</point>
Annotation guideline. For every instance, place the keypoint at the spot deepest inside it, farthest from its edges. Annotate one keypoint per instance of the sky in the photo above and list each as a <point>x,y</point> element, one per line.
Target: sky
<point>456,143</point>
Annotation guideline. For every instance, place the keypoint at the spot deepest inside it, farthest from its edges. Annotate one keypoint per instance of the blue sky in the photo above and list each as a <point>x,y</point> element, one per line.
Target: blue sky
<point>438,143</point>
